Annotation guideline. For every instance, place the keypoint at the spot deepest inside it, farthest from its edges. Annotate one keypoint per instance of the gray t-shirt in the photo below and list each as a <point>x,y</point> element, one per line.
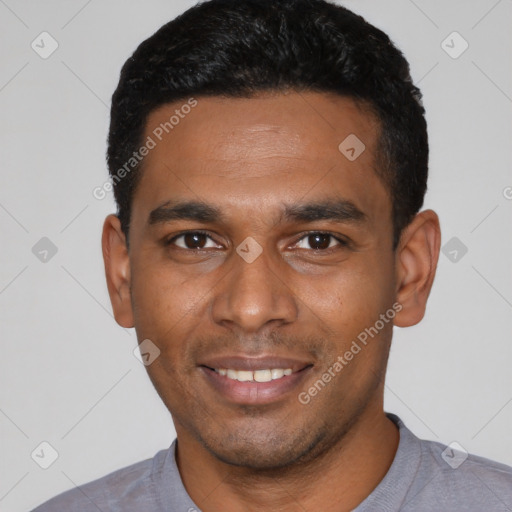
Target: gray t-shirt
<point>424,476</point>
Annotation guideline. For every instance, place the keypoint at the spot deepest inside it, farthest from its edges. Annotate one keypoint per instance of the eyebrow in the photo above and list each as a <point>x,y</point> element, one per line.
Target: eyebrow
<point>338,210</point>
<point>188,210</point>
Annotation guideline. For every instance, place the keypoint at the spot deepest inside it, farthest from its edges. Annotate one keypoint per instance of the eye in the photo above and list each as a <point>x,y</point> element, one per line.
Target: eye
<point>319,241</point>
<point>193,240</point>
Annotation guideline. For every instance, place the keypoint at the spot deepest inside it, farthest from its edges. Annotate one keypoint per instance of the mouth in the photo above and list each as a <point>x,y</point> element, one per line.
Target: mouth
<point>249,380</point>
<point>265,375</point>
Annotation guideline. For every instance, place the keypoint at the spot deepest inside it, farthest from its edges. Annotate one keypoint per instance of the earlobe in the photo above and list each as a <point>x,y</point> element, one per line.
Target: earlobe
<point>416,263</point>
<point>117,270</point>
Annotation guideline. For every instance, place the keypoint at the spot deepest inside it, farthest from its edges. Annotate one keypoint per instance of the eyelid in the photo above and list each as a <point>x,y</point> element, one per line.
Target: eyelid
<point>171,241</point>
<point>341,241</point>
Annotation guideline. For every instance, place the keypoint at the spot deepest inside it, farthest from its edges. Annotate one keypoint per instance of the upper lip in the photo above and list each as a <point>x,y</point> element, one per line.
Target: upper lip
<point>252,363</point>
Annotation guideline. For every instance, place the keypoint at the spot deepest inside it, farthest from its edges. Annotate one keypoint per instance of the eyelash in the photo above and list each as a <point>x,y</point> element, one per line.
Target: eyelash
<point>342,243</point>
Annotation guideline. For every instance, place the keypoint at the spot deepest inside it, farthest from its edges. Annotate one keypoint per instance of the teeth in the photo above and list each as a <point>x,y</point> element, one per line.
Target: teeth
<point>262,375</point>
<point>245,376</point>
<point>277,373</point>
<point>256,376</point>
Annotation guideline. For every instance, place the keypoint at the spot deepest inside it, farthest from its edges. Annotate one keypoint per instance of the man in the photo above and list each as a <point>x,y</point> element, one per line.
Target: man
<point>269,160</point>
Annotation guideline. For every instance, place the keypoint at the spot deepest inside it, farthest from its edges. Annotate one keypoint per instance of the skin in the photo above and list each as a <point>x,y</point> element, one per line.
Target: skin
<point>300,298</point>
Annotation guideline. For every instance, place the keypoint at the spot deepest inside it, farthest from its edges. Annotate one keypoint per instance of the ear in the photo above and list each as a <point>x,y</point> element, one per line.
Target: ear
<point>117,270</point>
<point>416,263</point>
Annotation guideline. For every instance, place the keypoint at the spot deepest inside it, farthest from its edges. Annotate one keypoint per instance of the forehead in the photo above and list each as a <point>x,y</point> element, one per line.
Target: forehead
<point>256,153</point>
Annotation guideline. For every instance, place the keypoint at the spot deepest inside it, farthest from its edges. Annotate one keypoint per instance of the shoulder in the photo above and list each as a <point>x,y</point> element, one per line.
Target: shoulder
<point>449,476</point>
<point>129,488</point>
<point>455,463</point>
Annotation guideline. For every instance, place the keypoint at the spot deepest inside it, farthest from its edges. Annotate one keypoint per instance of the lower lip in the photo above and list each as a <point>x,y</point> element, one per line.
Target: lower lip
<point>254,392</point>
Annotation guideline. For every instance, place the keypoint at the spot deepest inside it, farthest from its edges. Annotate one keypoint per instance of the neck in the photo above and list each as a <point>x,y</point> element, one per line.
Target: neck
<point>339,480</point>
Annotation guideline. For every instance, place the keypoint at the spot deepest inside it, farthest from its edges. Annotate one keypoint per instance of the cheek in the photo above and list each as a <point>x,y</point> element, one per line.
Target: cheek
<point>162,300</point>
<point>170,308</point>
<point>351,301</point>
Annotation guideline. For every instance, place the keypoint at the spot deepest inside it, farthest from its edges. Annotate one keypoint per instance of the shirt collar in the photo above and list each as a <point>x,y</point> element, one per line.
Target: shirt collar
<point>389,494</point>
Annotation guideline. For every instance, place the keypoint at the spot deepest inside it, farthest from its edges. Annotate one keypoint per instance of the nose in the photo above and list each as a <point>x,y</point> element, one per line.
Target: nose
<point>254,295</point>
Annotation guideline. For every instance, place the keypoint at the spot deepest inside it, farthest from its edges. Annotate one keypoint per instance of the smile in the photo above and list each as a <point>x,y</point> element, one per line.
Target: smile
<point>254,380</point>
<point>265,375</point>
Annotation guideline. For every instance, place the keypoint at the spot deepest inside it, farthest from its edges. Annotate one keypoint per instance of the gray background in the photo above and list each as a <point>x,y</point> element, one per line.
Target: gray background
<point>68,373</point>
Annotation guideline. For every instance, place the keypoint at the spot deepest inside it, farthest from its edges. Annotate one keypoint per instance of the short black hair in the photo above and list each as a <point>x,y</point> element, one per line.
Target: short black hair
<point>238,48</point>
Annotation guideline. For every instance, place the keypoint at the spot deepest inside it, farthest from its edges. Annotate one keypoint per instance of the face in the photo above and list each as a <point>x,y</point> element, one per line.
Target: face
<point>257,245</point>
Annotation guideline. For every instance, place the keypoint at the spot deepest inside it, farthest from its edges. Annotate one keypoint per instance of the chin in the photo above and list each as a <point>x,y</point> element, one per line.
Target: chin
<point>265,452</point>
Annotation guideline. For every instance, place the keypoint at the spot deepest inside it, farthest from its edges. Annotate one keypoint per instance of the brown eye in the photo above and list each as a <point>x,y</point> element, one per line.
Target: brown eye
<point>193,240</point>
<point>320,241</point>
